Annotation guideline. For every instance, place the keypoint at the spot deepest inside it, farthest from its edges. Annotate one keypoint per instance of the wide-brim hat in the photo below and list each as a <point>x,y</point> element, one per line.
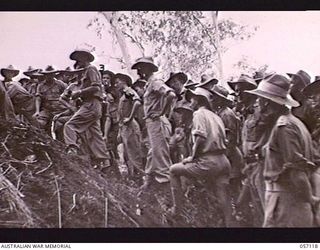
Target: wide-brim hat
<point>275,88</point>
<point>199,92</point>
<point>11,69</point>
<point>108,72</point>
<point>140,62</point>
<point>30,71</point>
<point>49,70</point>
<point>221,92</point>
<point>68,70</point>
<point>123,77</point>
<point>208,84</point>
<point>82,55</point>
<point>183,105</point>
<point>190,84</point>
<point>303,76</point>
<point>180,75</point>
<point>246,82</point>
<point>23,79</point>
<point>312,88</point>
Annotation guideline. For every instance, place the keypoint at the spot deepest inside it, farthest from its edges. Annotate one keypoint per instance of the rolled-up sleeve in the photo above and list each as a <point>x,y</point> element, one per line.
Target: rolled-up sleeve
<point>198,125</point>
<point>160,87</point>
<point>94,76</point>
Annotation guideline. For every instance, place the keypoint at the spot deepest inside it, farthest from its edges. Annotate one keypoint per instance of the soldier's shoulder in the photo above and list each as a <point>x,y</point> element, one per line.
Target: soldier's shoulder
<point>156,78</point>
<point>283,120</point>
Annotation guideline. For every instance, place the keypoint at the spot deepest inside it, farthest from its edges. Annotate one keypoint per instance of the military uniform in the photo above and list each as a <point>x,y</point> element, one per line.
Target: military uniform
<point>6,106</point>
<point>158,159</point>
<point>86,121</point>
<point>22,100</point>
<point>68,113</point>
<point>289,144</point>
<point>231,122</point>
<point>50,104</point>
<point>211,164</point>
<point>130,132</point>
<point>254,136</point>
<point>112,99</point>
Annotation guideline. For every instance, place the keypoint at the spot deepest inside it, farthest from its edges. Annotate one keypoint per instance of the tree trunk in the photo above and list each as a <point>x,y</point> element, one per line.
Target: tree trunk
<point>111,17</point>
<point>217,41</point>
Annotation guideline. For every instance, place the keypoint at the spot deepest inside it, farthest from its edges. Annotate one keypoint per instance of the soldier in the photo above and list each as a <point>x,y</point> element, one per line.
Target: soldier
<point>85,123</point>
<point>71,105</point>
<point>111,127</point>
<point>157,99</point>
<point>298,81</point>
<point>138,86</point>
<point>35,77</point>
<point>22,100</point>
<point>220,105</point>
<point>6,106</point>
<point>180,142</point>
<point>106,118</point>
<point>208,160</point>
<point>254,135</point>
<point>312,92</point>
<point>176,81</point>
<point>129,130</point>
<point>65,75</point>
<point>47,98</point>
<point>288,158</point>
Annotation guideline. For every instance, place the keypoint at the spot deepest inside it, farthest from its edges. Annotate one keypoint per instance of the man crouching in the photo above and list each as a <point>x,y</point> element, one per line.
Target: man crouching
<point>208,161</point>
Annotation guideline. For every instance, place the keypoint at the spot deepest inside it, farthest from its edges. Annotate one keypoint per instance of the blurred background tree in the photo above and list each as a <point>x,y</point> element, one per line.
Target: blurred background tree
<point>178,40</point>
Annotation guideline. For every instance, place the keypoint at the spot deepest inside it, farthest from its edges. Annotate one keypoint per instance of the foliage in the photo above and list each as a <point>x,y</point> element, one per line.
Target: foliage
<point>245,66</point>
<point>178,40</point>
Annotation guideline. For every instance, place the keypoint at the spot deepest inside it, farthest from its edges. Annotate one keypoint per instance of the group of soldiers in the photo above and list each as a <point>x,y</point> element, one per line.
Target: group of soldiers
<point>255,149</point>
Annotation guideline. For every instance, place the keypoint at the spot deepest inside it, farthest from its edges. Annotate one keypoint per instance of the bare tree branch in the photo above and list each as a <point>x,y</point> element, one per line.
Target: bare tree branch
<point>205,28</point>
<point>134,40</point>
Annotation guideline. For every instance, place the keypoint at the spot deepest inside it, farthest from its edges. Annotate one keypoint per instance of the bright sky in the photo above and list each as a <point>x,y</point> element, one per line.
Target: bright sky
<point>287,41</point>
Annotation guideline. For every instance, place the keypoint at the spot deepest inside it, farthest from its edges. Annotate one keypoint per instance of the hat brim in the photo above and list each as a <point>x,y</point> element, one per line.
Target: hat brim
<point>50,72</point>
<point>125,77</point>
<point>222,96</point>
<point>30,72</point>
<point>189,85</point>
<point>189,93</point>
<point>81,56</point>
<point>139,65</point>
<point>244,85</point>
<point>212,81</point>
<point>289,101</point>
<point>179,75</point>
<point>312,88</point>
<point>14,71</point>
<point>185,108</point>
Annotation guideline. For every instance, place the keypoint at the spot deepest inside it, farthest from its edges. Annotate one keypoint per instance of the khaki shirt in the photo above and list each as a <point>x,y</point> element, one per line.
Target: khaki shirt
<point>209,126</point>
<point>254,133</point>
<point>50,95</point>
<point>126,102</point>
<point>18,94</point>
<point>153,98</point>
<point>92,77</point>
<point>232,125</point>
<point>290,143</point>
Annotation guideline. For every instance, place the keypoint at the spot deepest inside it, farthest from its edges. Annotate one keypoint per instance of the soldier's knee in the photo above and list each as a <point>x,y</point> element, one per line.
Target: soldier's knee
<point>175,169</point>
